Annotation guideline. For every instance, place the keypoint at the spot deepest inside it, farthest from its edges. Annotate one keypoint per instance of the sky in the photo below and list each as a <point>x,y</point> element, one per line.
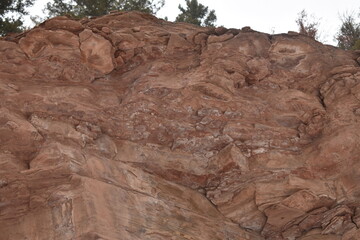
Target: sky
<point>270,16</point>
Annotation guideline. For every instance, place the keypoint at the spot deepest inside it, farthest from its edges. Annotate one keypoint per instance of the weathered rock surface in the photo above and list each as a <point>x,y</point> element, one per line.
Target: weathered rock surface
<point>129,127</point>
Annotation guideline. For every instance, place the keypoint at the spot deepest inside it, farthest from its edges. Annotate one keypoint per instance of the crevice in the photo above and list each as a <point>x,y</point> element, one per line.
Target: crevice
<point>27,165</point>
<point>230,71</point>
<point>352,220</point>
<point>321,99</point>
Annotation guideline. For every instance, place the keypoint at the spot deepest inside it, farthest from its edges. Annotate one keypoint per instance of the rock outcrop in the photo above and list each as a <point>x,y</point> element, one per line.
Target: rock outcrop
<point>130,127</point>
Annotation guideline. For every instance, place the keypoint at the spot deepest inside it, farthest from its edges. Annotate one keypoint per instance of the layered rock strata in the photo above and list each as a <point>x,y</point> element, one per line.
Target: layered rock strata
<point>130,127</point>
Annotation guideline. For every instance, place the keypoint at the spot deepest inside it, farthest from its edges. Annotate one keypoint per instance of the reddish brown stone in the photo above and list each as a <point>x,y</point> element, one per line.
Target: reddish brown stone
<point>129,127</point>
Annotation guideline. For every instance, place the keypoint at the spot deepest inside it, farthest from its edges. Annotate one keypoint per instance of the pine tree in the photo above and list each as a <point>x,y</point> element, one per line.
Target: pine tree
<point>9,23</point>
<point>82,8</point>
<point>143,6</point>
<point>348,36</point>
<point>197,14</point>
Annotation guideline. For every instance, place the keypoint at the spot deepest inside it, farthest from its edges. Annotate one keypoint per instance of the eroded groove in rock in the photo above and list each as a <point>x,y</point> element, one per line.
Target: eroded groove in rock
<point>129,127</point>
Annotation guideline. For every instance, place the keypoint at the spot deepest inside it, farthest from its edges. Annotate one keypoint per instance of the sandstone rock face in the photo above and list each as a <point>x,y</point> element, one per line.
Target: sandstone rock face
<point>129,127</point>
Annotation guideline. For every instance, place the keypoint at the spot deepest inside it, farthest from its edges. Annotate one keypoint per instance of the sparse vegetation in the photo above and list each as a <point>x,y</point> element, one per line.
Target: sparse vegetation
<point>11,12</point>
<point>348,36</point>
<point>82,8</point>
<point>197,14</point>
<point>307,26</point>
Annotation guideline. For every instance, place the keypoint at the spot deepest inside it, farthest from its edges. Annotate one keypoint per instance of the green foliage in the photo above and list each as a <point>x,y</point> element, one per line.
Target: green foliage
<point>210,19</point>
<point>10,25</point>
<point>82,8</point>
<point>15,7</point>
<point>308,26</point>
<point>349,34</point>
<point>143,6</point>
<point>356,45</point>
<point>197,14</point>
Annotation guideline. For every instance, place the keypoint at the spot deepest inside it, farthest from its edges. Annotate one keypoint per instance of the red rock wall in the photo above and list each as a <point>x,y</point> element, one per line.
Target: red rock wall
<point>129,127</point>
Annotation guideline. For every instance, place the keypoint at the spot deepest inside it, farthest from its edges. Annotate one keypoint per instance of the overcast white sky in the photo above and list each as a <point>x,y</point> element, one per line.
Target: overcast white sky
<point>269,16</point>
